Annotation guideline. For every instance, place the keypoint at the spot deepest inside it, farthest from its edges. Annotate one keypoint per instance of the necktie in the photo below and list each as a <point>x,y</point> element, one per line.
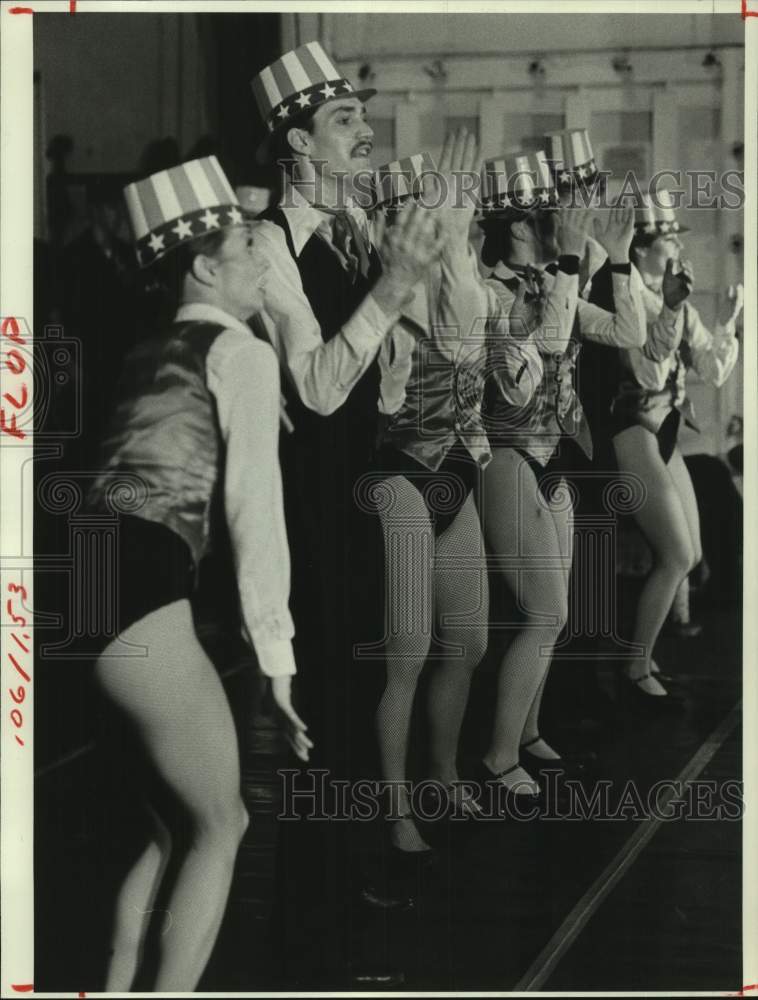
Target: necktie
<point>349,240</point>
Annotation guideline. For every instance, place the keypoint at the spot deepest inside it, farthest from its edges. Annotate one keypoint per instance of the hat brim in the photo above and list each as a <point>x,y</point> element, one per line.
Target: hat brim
<point>262,153</point>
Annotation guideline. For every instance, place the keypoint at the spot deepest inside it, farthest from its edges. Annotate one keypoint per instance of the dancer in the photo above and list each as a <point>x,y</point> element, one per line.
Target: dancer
<point>197,420</point>
<point>331,303</point>
<point>434,446</point>
<point>529,530</point>
<point>646,414</point>
<point>333,298</point>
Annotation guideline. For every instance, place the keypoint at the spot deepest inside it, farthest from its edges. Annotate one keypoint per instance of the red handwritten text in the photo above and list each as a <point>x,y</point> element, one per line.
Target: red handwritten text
<point>16,364</point>
<point>15,658</point>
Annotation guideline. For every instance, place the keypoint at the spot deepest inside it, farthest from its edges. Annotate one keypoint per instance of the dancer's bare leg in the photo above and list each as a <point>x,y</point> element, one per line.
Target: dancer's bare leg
<point>177,705</point>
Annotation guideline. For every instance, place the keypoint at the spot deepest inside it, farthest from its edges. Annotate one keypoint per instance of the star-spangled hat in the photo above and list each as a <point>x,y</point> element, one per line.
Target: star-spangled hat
<point>520,181</point>
<point>569,152</point>
<point>176,205</point>
<point>304,78</point>
<point>656,215</point>
<point>396,180</point>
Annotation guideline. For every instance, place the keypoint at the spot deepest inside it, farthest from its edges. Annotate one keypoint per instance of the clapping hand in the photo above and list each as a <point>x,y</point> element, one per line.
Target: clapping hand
<point>573,227</point>
<point>452,199</point>
<point>731,307</point>
<point>614,229</point>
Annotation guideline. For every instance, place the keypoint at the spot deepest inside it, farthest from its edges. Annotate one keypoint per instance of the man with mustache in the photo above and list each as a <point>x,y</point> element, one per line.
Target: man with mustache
<point>335,300</point>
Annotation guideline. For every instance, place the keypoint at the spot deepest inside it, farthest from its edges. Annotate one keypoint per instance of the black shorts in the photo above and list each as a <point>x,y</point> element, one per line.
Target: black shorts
<point>445,490</point>
<point>153,567</point>
<point>666,435</point>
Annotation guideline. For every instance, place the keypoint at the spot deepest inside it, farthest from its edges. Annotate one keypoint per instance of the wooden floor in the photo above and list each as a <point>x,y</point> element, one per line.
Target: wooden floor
<point>551,904</point>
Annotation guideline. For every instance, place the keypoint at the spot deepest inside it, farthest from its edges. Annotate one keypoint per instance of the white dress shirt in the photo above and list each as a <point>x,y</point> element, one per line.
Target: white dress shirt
<point>323,372</point>
<point>714,355</point>
<point>242,373</point>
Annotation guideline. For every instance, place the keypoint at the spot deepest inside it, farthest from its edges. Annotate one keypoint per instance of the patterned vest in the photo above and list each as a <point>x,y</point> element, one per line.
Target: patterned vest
<point>442,406</point>
<point>165,430</point>
<point>553,412</point>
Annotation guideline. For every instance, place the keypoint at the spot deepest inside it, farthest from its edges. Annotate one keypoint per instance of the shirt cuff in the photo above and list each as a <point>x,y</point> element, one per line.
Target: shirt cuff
<point>568,263</point>
<point>670,316</point>
<point>275,657</point>
<point>369,324</point>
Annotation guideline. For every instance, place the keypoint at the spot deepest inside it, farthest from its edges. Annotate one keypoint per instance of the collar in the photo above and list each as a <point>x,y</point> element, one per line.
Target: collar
<point>302,218</point>
<point>203,312</point>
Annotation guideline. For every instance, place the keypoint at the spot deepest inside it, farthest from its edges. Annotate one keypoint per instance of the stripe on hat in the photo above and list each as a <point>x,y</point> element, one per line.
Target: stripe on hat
<point>273,93</point>
<point>136,213</point>
<point>577,147</point>
<point>170,206</point>
<point>322,60</point>
<point>310,65</point>
<point>187,196</point>
<point>204,190</point>
<point>153,214</point>
<point>260,95</point>
<point>297,74</point>
<point>417,163</point>
<point>282,78</point>
<point>216,166</point>
<point>215,181</point>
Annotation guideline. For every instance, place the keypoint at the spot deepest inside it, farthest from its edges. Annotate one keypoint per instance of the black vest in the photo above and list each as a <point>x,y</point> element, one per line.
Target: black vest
<point>334,297</point>
<point>600,370</point>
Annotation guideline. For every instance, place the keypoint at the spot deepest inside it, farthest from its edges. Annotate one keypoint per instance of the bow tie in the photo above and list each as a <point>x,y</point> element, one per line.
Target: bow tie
<point>349,238</point>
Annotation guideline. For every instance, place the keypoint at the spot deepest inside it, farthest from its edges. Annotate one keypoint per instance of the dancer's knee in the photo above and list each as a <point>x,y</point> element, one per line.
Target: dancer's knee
<point>549,615</point>
<point>222,821</point>
<point>678,559</point>
<point>473,643</point>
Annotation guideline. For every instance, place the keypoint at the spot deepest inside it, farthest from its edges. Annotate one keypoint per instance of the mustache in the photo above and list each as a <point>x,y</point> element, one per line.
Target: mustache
<point>364,142</point>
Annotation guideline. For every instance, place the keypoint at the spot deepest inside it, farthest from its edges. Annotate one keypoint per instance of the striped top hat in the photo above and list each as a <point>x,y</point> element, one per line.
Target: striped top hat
<point>304,78</point>
<point>176,205</point>
<point>395,181</point>
<point>570,154</point>
<point>517,181</point>
<point>656,215</point>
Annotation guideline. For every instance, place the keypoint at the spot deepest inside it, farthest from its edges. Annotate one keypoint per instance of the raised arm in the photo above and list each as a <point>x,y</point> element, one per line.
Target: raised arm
<point>714,355</point>
<point>325,365</point>
<point>627,325</point>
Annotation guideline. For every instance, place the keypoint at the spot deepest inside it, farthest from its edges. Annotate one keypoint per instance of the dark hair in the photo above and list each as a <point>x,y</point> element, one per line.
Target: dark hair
<point>498,241</point>
<point>641,241</point>
<point>164,280</point>
<point>279,149</point>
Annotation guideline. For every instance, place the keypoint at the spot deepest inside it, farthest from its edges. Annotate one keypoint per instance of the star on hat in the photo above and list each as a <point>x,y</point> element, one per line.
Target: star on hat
<point>303,99</point>
<point>235,217</point>
<point>183,229</point>
<point>564,176</point>
<point>545,197</point>
<point>283,112</point>
<point>328,91</point>
<point>157,243</point>
<point>664,227</point>
<point>210,219</point>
